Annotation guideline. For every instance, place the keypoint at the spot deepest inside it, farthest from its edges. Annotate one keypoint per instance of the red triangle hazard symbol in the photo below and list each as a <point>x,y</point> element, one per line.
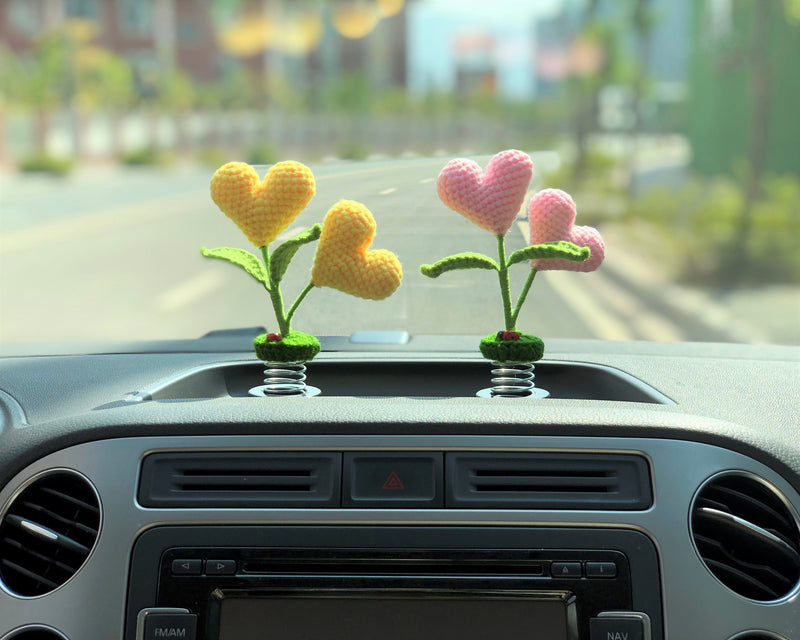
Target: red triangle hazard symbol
<point>393,481</point>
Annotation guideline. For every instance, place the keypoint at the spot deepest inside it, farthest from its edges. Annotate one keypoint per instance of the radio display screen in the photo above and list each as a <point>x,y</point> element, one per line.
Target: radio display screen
<point>392,618</point>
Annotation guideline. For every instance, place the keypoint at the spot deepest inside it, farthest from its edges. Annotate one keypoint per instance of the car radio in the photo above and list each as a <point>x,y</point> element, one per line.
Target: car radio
<point>388,583</point>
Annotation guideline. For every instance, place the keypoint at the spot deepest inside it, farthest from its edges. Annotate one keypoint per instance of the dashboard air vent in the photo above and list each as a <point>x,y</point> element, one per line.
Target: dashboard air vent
<point>47,532</point>
<point>747,536</point>
<point>240,479</point>
<point>548,481</point>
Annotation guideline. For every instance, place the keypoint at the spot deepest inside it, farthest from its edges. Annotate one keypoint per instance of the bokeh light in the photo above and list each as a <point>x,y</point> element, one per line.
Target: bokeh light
<point>355,19</point>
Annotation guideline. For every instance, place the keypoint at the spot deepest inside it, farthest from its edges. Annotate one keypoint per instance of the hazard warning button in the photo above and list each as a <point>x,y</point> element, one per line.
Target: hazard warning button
<point>393,481</point>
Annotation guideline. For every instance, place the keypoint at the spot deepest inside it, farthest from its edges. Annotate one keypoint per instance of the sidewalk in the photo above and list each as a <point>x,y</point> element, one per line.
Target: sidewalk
<point>766,315</point>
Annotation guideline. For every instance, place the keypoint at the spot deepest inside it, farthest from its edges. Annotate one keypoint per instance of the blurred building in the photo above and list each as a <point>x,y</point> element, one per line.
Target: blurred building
<point>150,34</point>
<point>207,38</point>
<point>475,59</point>
<point>559,55</point>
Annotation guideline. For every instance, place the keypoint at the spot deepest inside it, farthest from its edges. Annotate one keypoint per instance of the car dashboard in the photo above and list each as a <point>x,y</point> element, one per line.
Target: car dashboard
<point>144,493</point>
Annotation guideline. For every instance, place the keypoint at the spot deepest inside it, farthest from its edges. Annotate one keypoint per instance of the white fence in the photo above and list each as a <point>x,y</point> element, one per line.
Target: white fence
<point>106,135</point>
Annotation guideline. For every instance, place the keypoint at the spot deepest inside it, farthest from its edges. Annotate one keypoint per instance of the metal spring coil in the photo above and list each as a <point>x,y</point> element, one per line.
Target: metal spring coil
<point>513,380</point>
<point>284,379</point>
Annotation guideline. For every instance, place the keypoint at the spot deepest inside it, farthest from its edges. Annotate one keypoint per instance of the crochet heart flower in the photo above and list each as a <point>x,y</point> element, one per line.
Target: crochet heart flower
<point>551,214</point>
<point>262,209</point>
<point>492,199</point>
<point>343,260</point>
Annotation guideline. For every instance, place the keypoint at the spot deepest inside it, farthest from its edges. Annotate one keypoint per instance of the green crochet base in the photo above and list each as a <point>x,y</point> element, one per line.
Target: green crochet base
<point>527,349</point>
<point>296,347</point>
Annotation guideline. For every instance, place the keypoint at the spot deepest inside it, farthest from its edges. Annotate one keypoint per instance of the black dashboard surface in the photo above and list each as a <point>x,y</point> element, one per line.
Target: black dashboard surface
<point>694,412</point>
<point>740,396</point>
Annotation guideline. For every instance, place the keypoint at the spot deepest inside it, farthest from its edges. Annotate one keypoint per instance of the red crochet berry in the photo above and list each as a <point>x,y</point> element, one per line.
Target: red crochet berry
<point>510,335</point>
<point>274,337</point>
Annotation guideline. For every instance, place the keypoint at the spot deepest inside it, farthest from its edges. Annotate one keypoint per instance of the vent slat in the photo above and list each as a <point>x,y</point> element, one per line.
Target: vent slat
<point>744,581</point>
<point>747,537</point>
<point>543,483</point>
<point>27,550</point>
<point>30,575</point>
<point>244,488</point>
<point>244,482</point>
<point>547,481</point>
<point>43,535</point>
<point>238,473</point>
<point>72,500</point>
<point>49,513</point>
<point>240,479</point>
<point>47,533</point>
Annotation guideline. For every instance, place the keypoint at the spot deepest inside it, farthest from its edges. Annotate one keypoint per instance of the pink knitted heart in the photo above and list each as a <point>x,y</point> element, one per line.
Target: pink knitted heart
<point>551,214</point>
<point>492,199</point>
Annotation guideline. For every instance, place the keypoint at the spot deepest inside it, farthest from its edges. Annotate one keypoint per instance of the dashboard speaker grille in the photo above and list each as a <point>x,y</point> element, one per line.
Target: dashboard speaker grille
<point>548,481</point>
<point>47,533</point>
<point>240,479</point>
<point>747,536</point>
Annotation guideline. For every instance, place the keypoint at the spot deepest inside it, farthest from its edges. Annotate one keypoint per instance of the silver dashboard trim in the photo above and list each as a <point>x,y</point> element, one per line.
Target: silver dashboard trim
<point>33,627</point>
<point>693,599</point>
<point>28,482</point>
<point>793,593</point>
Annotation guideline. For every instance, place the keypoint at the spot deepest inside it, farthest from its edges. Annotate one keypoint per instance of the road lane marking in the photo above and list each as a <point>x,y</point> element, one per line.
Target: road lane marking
<point>392,167</point>
<point>583,306</point>
<point>574,294</point>
<point>386,192</point>
<point>188,291</point>
<point>648,325</point>
<point>114,218</point>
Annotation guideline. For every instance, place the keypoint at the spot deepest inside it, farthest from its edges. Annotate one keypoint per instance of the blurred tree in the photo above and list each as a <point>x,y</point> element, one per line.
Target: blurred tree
<point>595,62</point>
<point>643,20</point>
<point>45,80</point>
<point>68,71</point>
<point>11,79</point>
<point>349,93</point>
<point>744,96</point>
<point>176,96</point>
<point>103,81</point>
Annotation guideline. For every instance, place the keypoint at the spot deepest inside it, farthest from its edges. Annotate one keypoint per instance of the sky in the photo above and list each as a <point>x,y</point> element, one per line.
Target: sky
<point>434,24</point>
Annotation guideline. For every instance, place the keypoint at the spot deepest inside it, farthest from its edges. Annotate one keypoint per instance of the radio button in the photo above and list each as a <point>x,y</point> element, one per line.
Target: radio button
<point>160,626</point>
<point>220,567</point>
<point>601,570</point>
<point>186,567</point>
<point>566,570</point>
<point>611,628</point>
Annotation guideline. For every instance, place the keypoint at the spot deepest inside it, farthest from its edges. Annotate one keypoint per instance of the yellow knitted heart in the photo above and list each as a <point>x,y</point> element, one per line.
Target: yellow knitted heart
<point>343,261</point>
<point>262,209</point>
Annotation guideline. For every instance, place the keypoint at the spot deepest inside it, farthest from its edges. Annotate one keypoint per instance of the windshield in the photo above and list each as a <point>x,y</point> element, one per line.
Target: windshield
<point>672,123</point>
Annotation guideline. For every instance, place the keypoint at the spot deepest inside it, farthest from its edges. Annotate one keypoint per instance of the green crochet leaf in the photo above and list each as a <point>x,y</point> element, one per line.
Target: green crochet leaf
<point>239,257</point>
<point>280,259</point>
<point>466,260</point>
<point>562,250</point>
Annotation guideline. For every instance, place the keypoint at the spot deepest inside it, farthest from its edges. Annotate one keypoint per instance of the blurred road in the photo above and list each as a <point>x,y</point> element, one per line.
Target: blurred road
<point>114,254</point>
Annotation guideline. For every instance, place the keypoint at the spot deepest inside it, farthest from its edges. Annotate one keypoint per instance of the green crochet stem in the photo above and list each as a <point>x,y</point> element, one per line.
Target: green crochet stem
<point>297,302</point>
<point>523,294</point>
<point>274,289</point>
<point>505,284</point>
<point>560,250</point>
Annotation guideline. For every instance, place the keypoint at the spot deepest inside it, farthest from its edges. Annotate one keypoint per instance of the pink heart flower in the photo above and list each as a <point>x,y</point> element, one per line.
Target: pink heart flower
<point>551,214</point>
<point>492,199</point>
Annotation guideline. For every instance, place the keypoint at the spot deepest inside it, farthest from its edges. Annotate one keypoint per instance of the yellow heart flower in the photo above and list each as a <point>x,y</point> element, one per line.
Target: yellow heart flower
<point>343,260</point>
<point>262,209</point>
